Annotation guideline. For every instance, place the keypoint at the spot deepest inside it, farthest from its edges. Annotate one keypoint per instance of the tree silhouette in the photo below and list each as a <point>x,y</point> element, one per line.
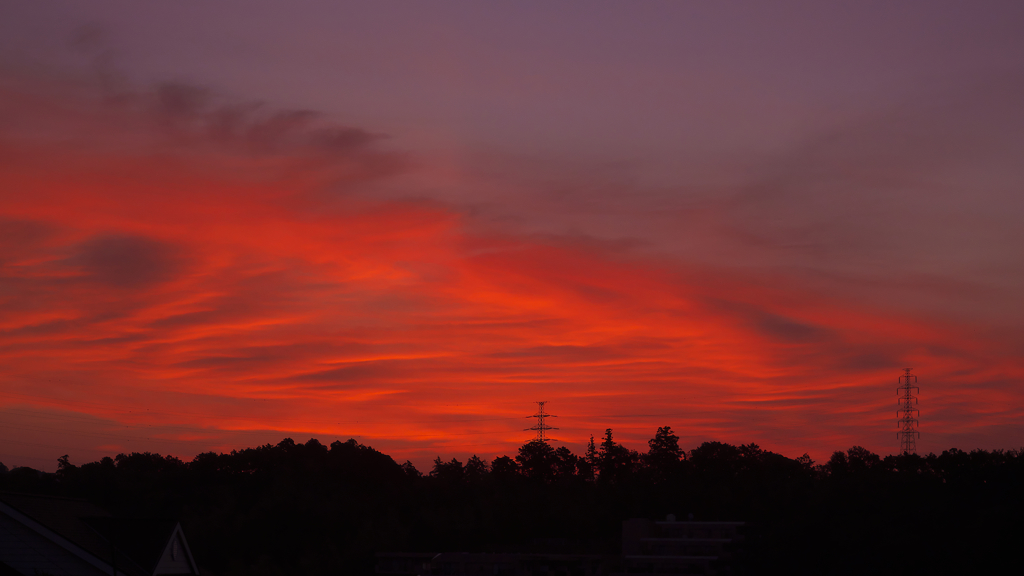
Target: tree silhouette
<point>663,455</point>
<point>305,508</point>
<point>504,468</point>
<point>615,461</point>
<point>537,460</point>
<point>588,464</point>
<point>410,470</point>
<point>566,464</point>
<point>476,469</point>
<point>451,471</point>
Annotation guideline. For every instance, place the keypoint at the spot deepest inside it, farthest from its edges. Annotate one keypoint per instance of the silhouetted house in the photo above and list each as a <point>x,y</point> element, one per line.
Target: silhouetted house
<point>65,536</point>
<point>405,563</point>
<point>648,547</point>
<point>672,547</point>
<point>464,564</point>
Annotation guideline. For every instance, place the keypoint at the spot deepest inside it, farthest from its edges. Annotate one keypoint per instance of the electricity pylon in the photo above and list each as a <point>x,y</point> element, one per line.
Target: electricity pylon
<point>908,433</point>
<point>541,428</point>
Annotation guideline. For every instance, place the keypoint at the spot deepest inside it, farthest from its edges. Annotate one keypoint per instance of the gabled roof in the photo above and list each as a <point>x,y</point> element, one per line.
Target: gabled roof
<point>138,544</point>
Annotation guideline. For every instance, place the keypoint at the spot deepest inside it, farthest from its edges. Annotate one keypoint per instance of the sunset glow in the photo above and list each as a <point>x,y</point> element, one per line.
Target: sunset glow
<point>182,271</point>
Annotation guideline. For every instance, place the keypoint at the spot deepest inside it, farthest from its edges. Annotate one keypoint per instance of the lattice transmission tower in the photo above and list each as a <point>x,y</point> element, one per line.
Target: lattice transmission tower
<point>908,433</point>
<point>541,428</point>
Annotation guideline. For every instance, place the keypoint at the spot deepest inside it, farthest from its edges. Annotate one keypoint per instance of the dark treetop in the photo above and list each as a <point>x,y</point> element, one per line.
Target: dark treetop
<point>314,509</point>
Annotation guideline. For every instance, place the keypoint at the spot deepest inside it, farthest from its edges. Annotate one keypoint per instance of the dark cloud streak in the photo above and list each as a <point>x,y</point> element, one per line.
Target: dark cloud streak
<point>126,261</point>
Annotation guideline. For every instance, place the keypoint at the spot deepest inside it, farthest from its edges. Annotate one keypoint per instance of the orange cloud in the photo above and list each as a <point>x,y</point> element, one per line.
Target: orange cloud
<point>180,278</point>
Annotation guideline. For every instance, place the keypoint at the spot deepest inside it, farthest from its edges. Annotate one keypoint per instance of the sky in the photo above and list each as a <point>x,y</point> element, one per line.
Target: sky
<point>224,224</point>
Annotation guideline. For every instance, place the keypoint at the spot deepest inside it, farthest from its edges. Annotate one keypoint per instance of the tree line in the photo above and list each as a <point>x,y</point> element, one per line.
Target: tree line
<point>307,508</point>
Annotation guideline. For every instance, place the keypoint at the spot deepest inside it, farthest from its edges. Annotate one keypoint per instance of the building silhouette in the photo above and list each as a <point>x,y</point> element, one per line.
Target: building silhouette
<point>648,547</point>
<point>672,547</point>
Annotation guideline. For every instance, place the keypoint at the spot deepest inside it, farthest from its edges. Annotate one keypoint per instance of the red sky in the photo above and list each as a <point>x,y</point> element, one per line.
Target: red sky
<point>186,266</point>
